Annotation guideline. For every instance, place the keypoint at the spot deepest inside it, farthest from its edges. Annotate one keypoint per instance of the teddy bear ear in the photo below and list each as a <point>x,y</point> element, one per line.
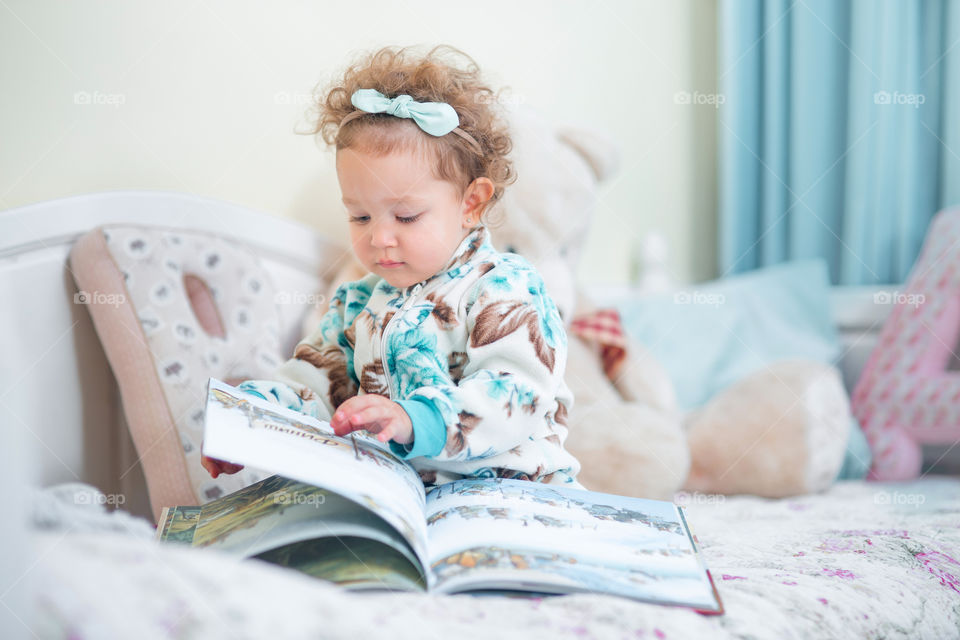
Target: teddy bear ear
<point>600,150</point>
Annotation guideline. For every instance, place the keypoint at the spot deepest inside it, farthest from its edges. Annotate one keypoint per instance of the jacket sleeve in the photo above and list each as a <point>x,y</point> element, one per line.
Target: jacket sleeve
<point>320,375</point>
<point>511,389</point>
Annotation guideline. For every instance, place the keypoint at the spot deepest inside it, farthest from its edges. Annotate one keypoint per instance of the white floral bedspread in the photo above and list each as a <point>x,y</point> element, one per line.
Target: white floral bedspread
<point>863,560</point>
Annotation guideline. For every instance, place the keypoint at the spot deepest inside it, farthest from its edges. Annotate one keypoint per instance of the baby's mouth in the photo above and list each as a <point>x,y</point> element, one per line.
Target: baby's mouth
<point>388,263</point>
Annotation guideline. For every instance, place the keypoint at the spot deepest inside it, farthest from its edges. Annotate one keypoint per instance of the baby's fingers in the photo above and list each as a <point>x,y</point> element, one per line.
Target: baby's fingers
<point>229,467</point>
<point>373,419</point>
<point>386,433</point>
<point>344,419</point>
<point>215,467</point>
<point>210,465</point>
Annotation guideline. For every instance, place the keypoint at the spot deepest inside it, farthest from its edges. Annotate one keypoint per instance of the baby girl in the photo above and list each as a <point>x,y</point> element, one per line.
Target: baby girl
<point>451,351</point>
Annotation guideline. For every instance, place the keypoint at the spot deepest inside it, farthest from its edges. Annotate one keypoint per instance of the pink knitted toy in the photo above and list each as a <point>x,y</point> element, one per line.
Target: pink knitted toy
<point>907,395</point>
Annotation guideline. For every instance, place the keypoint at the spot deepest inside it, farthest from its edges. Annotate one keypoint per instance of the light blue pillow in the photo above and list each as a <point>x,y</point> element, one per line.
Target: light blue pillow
<point>857,459</point>
<point>711,335</point>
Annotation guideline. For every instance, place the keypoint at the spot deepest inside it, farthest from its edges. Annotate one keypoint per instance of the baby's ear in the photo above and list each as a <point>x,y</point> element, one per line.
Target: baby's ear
<point>478,198</point>
<point>471,218</point>
<point>485,189</point>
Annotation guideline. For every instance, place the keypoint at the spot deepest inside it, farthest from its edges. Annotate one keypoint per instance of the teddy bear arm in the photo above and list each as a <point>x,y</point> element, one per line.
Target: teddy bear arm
<point>781,431</point>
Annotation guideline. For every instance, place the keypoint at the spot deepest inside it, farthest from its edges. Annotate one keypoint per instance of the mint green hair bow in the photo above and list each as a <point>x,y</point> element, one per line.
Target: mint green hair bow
<point>436,118</point>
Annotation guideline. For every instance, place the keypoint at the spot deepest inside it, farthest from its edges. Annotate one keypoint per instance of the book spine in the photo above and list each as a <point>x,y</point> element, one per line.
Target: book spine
<point>163,524</point>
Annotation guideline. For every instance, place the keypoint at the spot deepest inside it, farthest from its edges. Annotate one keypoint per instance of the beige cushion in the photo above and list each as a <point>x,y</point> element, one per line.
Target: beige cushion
<point>137,283</point>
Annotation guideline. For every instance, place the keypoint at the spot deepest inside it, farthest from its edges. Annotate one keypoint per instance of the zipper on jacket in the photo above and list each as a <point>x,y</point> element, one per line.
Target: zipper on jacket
<point>410,296</point>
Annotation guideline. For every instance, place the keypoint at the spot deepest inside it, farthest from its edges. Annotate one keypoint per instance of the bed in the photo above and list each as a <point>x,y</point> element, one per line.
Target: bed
<point>860,560</point>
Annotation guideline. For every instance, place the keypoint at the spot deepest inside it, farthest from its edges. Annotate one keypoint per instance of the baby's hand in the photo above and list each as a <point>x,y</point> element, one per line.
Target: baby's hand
<point>375,413</point>
<point>216,467</point>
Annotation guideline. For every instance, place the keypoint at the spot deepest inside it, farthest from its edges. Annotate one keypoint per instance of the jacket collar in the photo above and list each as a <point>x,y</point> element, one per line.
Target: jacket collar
<point>477,242</point>
<point>468,248</point>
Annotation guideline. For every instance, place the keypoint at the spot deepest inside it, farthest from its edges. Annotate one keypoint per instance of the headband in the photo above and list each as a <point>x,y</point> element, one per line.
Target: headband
<point>436,118</point>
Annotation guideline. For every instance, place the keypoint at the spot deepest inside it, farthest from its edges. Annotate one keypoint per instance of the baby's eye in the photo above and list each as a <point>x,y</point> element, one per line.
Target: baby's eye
<point>408,219</point>
<point>360,219</point>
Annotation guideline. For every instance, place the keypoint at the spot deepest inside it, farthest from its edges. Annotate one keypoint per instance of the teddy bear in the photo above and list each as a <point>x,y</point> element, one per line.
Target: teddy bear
<point>781,431</point>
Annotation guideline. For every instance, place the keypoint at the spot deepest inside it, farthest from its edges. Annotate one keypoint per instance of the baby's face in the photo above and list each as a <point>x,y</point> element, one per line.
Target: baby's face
<point>404,223</point>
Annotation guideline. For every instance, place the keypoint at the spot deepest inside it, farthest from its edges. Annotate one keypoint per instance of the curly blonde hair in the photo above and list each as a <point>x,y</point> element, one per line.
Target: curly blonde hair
<point>432,77</point>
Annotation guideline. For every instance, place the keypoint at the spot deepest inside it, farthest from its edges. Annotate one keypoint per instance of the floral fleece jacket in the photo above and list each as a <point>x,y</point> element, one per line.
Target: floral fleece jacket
<point>475,354</point>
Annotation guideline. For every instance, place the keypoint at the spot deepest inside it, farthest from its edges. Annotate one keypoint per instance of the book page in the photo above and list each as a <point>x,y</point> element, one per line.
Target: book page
<point>278,511</point>
<point>246,430</point>
<point>356,563</point>
<point>513,534</point>
<point>293,524</point>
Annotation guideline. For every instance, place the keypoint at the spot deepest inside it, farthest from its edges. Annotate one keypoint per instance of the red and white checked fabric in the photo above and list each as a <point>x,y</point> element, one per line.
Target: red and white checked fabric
<point>603,329</point>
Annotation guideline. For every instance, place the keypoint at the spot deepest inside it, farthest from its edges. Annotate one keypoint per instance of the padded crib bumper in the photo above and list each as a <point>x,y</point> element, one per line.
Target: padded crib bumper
<point>173,308</point>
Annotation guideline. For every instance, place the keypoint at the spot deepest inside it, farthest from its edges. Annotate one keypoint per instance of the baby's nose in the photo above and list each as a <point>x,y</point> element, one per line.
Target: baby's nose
<point>382,236</point>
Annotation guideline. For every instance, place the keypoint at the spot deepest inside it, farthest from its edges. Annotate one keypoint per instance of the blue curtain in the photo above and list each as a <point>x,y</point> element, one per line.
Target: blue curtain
<point>838,135</point>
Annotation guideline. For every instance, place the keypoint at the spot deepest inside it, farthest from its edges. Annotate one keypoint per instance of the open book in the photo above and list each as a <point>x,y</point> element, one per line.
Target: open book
<point>346,509</point>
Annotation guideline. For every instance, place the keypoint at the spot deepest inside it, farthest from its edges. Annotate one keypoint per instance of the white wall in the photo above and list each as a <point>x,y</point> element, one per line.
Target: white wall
<point>203,96</point>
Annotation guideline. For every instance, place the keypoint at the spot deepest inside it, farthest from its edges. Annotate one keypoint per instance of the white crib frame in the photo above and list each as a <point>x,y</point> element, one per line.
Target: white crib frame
<point>59,404</point>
